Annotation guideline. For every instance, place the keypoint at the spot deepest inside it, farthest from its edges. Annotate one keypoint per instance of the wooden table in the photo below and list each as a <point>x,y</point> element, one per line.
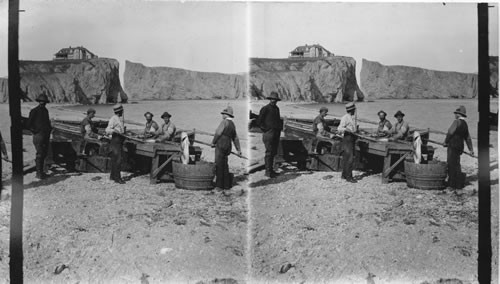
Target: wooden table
<point>385,149</point>
<point>159,153</point>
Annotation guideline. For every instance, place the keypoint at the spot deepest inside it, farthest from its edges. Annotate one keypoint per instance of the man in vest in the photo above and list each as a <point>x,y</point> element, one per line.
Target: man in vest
<point>87,128</point>
<point>384,126</point>
<point>224,136</point>
<point>401,128</point>
<point>348,127</point>
<point>151,125</point>
<point>167,131</point>
<point>270,123</point>
<point>457,134</point>
<point>116,128</point>
<point>39,124</point>
<point>319,124</point>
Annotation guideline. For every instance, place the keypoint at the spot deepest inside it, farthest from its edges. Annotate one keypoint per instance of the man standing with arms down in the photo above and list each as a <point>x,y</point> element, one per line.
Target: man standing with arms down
<point>224,136</point>
<point>457,134</point>
<point>116,127</point>
<point>270,123</point>
<point>348,127</point>
<point>39,123</point>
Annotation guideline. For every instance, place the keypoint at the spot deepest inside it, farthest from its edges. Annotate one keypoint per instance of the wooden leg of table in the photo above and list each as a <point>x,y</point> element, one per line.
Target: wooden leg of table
<point>154,166</point>
<point>387,165</point>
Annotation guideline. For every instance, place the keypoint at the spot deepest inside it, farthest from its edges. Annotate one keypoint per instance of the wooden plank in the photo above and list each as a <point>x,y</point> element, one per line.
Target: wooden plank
<point>154,166</point>
<point>159,169</point>
<point>388,171</point>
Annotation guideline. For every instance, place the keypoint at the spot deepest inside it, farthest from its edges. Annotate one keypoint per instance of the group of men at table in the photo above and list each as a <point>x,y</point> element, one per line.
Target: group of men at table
<point>270,122</point>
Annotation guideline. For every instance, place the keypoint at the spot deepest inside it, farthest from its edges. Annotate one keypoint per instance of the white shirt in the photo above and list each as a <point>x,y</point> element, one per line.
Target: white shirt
<point>348,122</point>
<point>115,124</point>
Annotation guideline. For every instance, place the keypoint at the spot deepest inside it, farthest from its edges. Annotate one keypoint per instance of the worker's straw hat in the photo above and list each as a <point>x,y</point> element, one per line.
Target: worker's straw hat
<point>228,111</point>
<point>146,114</point>
<point>322,109</point>
<point>42,98</point>
<point>166,114</point>
<point>381,111</point>
<point>461,110</point>
<point>273,96</point>
<point>350,106</point>
<point>91,110</point>
<point>399,113</point>
<point>117,108</point>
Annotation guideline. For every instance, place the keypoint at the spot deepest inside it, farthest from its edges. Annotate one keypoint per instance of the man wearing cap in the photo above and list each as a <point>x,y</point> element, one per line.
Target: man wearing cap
<point>151,125</point>
<point>401,128</point>
<point>384,126</point>
<point>167,130</point>
<point>348,127</point>
<point>319,124</point>
<point>87,127</point>
<point>457,134</point>
<point>39,123</point>
<point>116,128</point>
<point>224,136</point>
<point>270,123</point>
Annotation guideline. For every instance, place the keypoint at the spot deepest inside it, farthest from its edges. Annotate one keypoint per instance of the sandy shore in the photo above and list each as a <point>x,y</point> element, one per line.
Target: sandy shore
<point>124,233</point>
<point>329,230</point>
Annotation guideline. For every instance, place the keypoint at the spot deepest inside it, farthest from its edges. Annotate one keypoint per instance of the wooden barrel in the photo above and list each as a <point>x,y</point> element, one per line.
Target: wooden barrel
<point>425,176</point>
<point>193,176</point>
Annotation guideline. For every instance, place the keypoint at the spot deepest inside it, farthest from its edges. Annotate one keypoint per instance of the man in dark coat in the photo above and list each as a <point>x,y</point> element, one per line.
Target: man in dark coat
<point>270,123</point>
<point>457,134</point>
<point>39,123</point>
<point>224,136</point>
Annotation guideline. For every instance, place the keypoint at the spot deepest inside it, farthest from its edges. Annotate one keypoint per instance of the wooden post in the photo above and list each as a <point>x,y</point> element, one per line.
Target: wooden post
<point>155,160</point>
<point>484,190</point>
<point>16,217</point>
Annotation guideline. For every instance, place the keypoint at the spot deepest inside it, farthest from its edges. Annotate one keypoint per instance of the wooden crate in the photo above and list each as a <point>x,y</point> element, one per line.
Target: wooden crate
<point>326,163</point>
<point>94,164</point>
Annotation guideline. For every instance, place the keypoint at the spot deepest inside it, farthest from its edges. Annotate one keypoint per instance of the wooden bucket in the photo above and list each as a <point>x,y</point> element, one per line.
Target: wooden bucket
<point>425,176</point>
<point>197,176</point>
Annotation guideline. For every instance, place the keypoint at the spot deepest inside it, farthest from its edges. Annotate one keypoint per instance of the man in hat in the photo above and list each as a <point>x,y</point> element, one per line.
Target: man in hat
<point>224,136</point>
<point>348,127</point>
<point>401,128</point>
<point>116,128</point>
<point>167,130</point>
<point>39,124</point>
<point>457,134</point>
<point>87,127</point>
<point>319,124</point>
<point>151,125</point>
<point>384,126</point>
<point>270,123</point>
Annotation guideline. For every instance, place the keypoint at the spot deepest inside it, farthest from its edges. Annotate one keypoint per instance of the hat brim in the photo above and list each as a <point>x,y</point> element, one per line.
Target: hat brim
<point>399,114</point>
<point>350,108</point>
<point>163,116</point>
<point>45,101</point>
<point>462,114</point>
<point>272,98</point>
<point>227,113</point>
<point>378,113</point>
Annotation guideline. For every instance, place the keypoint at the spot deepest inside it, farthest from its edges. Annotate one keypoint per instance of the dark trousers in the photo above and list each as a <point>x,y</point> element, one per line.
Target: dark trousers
<point>348,155</point>
<point>454,168</point>
<point>223,179</point>
<point>116,146</point>
<point>41,142</point>
<point>271,139</point>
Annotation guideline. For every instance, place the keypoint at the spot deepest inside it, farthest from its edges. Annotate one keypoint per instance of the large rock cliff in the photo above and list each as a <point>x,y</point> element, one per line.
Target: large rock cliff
<point>166,83</point>
<point>402,82</point>
<point>70,81</point>
<point>329,79</point>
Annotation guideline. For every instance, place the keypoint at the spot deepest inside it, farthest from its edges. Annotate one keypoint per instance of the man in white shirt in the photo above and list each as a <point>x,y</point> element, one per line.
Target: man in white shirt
<point>347,127</point>
<point>116,127</point>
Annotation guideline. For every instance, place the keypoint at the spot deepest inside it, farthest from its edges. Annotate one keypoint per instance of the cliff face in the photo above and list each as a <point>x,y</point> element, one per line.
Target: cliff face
<point>331,79</point>
<point>403,82</point>
<point>87,82</point>
<point>165,83</point>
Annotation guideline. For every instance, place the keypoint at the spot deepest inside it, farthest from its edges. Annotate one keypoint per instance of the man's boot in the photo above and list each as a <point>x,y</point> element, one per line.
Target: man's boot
<point>39,169</point>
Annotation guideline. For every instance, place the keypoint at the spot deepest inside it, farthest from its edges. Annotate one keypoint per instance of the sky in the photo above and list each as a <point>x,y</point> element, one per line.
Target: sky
<point>196,36</point>
<point>427,35</point>
<point>219,36</point>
